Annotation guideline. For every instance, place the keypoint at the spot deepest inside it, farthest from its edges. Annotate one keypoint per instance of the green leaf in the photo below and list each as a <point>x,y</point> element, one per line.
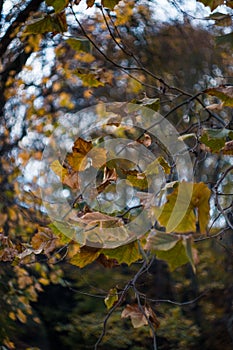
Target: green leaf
<point>79,44</point>
<point>161,241</point>
<point>55,23</point>
<point>213,4</point>
<point>58,5</point>
<point>174,257</point>
<point>223,92</point>
<point>111,298</point>
<point>139,180</point>
<point>226,39</point>
<point>89,79</point>
<point>215,139</point>
<point>127,254</point>
<point>110,4</point>
<point>63,230</point>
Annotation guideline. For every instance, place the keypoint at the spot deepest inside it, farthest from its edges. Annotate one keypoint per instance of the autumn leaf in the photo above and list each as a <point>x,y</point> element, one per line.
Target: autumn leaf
<point>137,179</point>
<point>111,298</point>
<point>223,92</point>
<point>110,4</point>
<point>127,254</point>
<point>85,256</point>
<point>140,316</point>
<point>145,140</point>
<point>214,139</point>
<point>90,3</point>
<point>44,240</point>
<point>77,159</point>
<point>110,176</point>
<point>107,262</point>
<point>58,5</point>
<point>152,103</point>
<point>55,23</point>
<point>213,4</point>
<point>82,146</point>
<point>160,241</point>
<point>58,169</point>
<point>221,19</point>
<point>199,200</point>
<point>228,148</point>
<point>98,157</point>
<point>89,79</point>
<point>174,257</point>
<point>79,44</point>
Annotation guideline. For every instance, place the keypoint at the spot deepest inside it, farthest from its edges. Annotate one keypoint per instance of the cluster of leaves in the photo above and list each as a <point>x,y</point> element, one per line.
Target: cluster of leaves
<point>166,240</point>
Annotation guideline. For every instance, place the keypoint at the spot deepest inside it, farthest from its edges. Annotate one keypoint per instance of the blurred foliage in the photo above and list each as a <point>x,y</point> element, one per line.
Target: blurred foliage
<point>53,63</point>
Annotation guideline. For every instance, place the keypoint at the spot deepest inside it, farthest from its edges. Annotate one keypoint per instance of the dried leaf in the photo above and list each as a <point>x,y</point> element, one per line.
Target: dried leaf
<point>139,317</point>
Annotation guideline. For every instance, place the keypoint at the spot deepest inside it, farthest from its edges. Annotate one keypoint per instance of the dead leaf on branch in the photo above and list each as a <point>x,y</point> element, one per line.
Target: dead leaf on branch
<point>84,150</point>
<point>139,317</point>
<point>110,176</point>
<point>44,241</point>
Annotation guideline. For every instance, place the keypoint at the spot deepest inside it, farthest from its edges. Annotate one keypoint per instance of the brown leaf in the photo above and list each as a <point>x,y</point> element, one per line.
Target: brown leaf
<point>82,146</point>
<point>228,148</point>
<point>145,140</point>
<point>44,241</point>
<point>90,3</point>
<point>71,180</point>
<point>110,176</point>
<point>140,317</point>
<point>110,263</point>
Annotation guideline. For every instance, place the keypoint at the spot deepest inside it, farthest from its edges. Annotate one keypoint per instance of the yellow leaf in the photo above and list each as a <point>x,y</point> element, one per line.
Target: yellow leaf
<point>111,298</point>
<point>85,256</point>
<point>200,200</point>
<point>21,316</point>
<point>77,159</point>
<point>127,254</point>
<point>58,169</point>
<point>185,222</point>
